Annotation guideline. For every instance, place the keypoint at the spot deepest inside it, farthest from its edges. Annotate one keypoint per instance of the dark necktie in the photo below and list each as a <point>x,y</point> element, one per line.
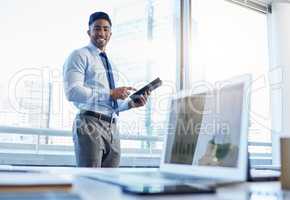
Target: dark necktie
<point>110,78</point>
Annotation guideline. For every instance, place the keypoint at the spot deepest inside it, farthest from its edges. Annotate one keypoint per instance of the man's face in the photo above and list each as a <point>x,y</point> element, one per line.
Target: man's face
<point>100,33</point>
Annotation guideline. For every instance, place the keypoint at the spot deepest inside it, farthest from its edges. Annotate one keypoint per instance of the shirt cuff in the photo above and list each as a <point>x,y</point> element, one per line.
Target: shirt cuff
<point>123,105</point>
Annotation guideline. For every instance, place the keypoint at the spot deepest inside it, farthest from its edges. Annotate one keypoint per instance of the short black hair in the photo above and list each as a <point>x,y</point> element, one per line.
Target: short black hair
<point>99,15</point>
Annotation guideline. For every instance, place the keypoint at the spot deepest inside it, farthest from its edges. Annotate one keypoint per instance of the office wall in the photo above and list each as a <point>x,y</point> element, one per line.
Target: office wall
<point>279,74</point>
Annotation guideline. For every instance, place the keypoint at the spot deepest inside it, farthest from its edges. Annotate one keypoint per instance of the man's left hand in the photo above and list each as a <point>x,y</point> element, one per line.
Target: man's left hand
<point>141,101</point>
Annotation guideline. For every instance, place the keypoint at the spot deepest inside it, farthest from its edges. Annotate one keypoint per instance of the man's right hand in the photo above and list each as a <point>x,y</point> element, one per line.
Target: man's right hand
<point>121,92</point>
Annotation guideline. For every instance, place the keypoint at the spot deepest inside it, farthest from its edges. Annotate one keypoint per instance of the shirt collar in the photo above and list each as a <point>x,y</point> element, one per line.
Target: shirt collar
<point>94,48</point>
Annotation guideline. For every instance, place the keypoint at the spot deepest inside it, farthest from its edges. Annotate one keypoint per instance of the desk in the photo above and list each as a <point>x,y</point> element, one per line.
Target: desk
<point>90,189</point>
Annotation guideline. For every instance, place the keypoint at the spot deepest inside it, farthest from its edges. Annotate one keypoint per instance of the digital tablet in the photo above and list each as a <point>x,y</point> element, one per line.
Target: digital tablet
<point>147,88</point>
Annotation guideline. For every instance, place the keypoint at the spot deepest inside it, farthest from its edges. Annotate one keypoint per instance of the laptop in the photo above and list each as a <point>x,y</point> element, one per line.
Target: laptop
<point>206,138</point>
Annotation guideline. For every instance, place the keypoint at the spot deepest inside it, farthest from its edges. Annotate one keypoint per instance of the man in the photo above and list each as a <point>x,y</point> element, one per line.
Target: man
<point>89,84</point>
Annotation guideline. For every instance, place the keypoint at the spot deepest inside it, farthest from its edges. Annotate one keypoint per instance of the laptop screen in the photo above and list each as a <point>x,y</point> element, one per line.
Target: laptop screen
<point>204,129</point>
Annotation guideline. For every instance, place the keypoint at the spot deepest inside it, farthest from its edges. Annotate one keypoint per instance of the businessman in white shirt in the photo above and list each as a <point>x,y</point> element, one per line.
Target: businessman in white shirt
<point>89,83</point>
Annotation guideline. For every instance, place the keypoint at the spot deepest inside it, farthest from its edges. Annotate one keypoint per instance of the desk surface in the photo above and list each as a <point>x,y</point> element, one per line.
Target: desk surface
<point>90,189</point>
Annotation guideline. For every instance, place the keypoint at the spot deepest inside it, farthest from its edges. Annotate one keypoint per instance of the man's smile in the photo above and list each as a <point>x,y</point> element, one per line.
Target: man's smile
<point>101,40</point>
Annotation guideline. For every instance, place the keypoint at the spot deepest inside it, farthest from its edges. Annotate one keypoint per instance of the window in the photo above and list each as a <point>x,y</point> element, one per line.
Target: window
<point>229,40</point>
<point>36,38</point>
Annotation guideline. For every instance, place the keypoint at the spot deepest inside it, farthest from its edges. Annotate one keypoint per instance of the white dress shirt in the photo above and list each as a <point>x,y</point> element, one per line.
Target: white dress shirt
<point>86,83</point>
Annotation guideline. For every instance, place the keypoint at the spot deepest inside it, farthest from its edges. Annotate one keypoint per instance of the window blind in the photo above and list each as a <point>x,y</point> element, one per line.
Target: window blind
<point>257,5</point>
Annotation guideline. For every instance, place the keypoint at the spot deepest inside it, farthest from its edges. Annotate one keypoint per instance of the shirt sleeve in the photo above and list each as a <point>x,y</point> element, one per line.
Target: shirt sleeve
<point>74,81</point>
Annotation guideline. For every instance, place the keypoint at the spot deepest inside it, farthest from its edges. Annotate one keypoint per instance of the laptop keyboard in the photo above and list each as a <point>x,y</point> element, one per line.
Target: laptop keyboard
<point>150,178</point>
<point>164,175</point>
<point>174,177</point>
